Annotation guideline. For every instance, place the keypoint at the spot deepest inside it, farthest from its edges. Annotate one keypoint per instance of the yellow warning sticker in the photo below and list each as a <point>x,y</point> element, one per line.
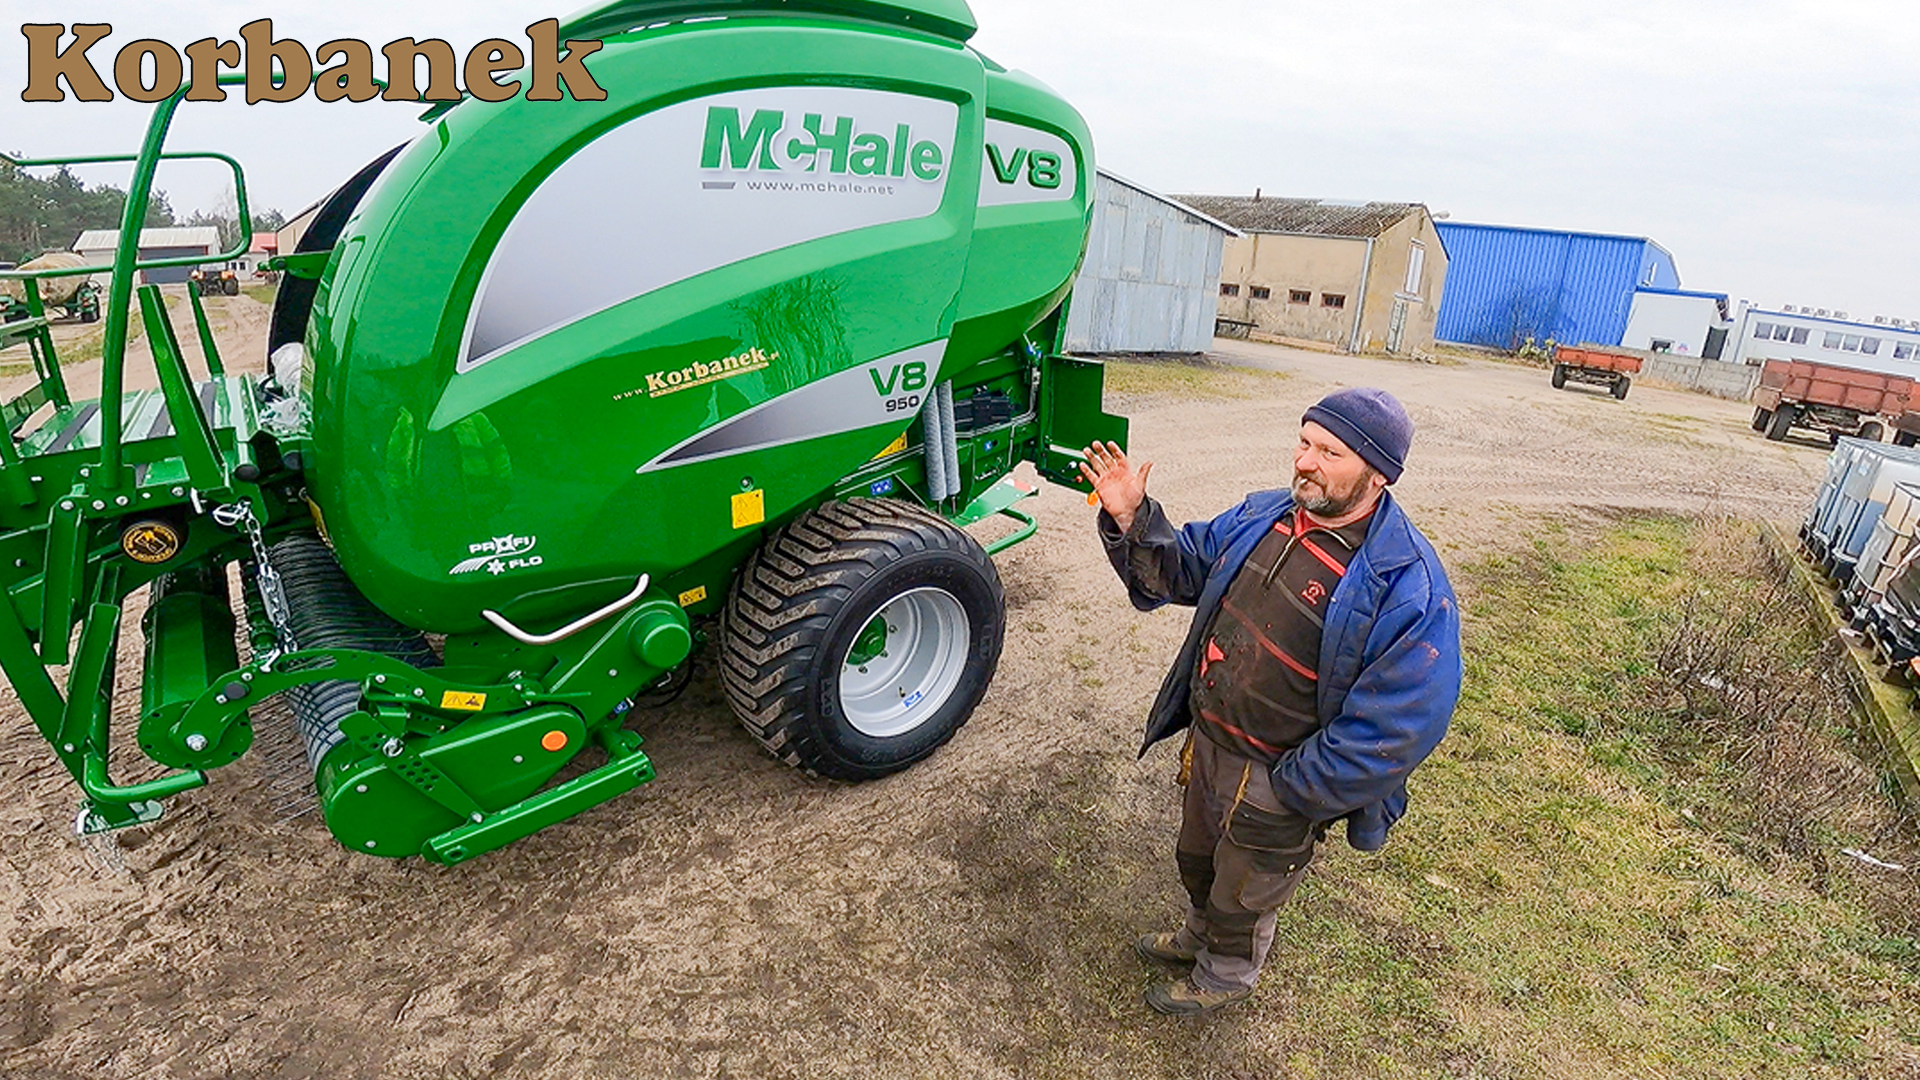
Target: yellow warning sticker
<point>462,700</point>
<point>749,508</point>
<point>893,448</point>
<point>693,596</point>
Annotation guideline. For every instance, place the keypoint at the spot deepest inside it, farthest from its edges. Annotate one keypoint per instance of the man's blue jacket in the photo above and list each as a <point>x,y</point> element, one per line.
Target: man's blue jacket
<point>1389,656</point>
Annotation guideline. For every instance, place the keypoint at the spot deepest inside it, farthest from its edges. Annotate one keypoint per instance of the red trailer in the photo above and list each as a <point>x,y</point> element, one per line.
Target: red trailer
<point>1835,400</point>
<point>1594,367</point>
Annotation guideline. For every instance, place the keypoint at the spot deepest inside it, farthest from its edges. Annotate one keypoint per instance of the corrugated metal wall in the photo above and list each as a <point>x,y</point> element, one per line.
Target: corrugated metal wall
<point>1151,278</point>
<point>1505,285</point>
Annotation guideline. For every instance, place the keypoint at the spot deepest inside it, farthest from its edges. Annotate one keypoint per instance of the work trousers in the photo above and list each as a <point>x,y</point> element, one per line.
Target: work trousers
<point>1241,856</point>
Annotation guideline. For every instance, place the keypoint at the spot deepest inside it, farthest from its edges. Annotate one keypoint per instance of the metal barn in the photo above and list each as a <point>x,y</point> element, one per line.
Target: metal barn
<point>98,246</point>
<point>1151,275</point>
<point>1506,284</point>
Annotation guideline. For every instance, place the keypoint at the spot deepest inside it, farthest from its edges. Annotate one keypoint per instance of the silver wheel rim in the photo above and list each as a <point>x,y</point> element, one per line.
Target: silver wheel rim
<point>906,684</point>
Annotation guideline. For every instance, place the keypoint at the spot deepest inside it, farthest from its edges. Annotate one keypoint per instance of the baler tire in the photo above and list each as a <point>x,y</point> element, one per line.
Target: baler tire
<point>1905,438</point>
<point>807,596</point>
<point>1873,431</point>
<point>1761,417</point>
<point>1559,376</point>
<point>1782,421</point>
<point>1620,386</point>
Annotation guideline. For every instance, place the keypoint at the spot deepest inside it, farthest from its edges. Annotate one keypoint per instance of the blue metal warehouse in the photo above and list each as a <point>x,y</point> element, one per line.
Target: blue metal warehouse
<point>1506,284</point>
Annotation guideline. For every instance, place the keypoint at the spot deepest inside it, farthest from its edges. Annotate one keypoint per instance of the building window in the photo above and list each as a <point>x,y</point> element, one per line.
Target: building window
<point>1660,345</point>
<point>1851,343</point>
<point>1299,296</point>
<point>1832,341</point>
<point>1229,290</point>
<point>1902,352</point>
<point>1799,335</point>
<point>1762,330</point>
<point>1780,331</point>
<point>1331,299</point>
<point>1259,292</point>
<point>1415,263</point>
<point>1870,346</point>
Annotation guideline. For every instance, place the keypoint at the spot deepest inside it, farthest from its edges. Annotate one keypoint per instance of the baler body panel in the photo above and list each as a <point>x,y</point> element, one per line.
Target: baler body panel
<point>726,286</point>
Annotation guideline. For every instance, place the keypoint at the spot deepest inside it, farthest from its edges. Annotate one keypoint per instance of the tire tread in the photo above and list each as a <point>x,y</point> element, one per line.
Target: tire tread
<point>782,605</point>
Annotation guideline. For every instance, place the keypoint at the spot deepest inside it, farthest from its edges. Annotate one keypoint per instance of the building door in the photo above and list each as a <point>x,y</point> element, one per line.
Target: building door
<point>1716,344</point>
<point>1397,325</point>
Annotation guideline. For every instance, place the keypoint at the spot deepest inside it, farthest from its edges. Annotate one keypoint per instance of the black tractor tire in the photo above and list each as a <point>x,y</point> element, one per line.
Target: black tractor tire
<point>1621,384</point>
<point>810,596</point>
<point>1761,418</point>
<point>89,314</point>
<point>1559,376</point>
<point>230,287</point>
<point>1873,431</point>
<point>1783,419</point>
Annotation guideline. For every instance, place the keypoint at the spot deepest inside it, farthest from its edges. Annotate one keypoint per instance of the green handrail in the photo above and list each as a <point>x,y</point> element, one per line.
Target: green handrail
<point>126,258</point>
<point>239,184</point>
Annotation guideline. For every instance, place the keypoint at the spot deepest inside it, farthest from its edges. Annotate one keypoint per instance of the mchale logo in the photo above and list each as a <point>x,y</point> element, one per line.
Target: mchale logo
<point>759,144</point>
<point>351,79</point>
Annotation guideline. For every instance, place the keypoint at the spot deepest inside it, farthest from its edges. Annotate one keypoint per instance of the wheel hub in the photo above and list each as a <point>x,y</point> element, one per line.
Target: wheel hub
<point>905,663</point>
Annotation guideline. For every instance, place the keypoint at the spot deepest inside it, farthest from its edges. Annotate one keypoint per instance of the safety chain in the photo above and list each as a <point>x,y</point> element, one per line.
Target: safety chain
<point>273,594</point>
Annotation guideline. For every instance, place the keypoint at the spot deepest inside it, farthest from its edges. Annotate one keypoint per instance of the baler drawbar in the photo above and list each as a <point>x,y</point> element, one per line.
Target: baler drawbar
<point>488,493</point>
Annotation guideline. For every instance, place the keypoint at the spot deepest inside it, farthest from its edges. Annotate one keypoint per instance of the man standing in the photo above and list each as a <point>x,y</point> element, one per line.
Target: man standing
<point>1322,666</point>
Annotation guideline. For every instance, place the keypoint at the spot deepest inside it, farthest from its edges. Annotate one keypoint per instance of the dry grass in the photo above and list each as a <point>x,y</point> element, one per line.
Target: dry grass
<point>1631,840</point>
<point>1760,690</point>
<point>1187,378</point>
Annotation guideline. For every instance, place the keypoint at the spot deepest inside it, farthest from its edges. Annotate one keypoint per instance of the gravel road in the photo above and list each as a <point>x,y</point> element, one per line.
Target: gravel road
<point>969,917</point>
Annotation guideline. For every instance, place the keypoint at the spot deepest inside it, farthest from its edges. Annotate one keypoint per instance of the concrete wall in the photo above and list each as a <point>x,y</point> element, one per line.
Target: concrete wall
<point>1149,279</point>
<point>1719,378</point>
<point>1317,265</point>
<point>1322,265</point>
<point>1387,283</point>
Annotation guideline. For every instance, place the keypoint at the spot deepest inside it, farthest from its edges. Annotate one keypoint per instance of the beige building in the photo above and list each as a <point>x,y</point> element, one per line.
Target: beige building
<point>1363,277</point>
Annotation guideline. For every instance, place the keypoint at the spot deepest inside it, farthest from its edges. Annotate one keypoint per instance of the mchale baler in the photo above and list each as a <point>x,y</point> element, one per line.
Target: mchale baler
<point>752,338</point>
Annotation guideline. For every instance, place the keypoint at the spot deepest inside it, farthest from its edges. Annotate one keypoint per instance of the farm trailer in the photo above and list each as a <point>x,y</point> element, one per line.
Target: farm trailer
<point>1837,401</point>
<point>23,298</point>
<point>485,489</point>
<point>1595,367</point>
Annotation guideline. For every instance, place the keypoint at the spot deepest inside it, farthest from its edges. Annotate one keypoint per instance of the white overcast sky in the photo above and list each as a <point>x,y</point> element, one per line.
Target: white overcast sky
<point>1769,144</point>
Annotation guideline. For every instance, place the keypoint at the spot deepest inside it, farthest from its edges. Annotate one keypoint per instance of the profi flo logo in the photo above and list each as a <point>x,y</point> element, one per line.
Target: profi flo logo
<point>499,555</point>
<point>764,143</point>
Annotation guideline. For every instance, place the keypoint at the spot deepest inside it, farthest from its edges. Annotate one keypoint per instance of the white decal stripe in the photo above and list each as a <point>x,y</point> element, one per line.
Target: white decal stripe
<point>842,402</point>
<point>633,211</point>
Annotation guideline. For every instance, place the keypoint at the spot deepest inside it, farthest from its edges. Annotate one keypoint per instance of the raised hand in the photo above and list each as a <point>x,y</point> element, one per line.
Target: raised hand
<point>1120,486</point>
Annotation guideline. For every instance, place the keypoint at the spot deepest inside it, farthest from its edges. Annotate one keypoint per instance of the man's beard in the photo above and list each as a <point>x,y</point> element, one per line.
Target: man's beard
<point>1325,501</point>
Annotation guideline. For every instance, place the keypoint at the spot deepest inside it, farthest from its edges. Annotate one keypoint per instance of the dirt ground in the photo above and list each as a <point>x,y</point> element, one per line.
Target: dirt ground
<point>970,917</point>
